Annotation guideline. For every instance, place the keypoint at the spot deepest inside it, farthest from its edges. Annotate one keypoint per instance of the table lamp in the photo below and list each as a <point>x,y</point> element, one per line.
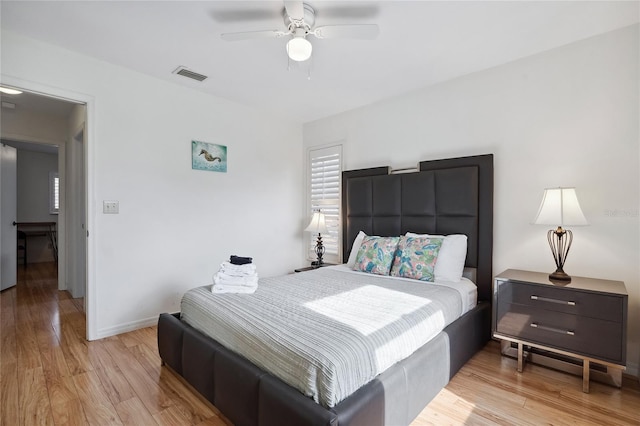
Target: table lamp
<point>318,226</point>
<point>560,207</point>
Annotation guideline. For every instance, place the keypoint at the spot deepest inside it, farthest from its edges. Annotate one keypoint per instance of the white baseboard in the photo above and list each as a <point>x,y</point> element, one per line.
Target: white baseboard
<point>126,327</point>
<point>632,370</point>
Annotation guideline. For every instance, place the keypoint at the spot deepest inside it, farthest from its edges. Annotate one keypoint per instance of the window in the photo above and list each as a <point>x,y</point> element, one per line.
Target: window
<point>325,169</point>
<point>54,193</point>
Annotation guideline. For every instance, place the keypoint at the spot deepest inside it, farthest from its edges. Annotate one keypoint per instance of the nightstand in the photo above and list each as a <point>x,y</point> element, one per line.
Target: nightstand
<point>567,326</point>
<point>312,267</point>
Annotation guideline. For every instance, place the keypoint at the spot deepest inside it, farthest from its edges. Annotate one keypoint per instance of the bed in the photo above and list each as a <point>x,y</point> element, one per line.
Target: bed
<point>452,196</point>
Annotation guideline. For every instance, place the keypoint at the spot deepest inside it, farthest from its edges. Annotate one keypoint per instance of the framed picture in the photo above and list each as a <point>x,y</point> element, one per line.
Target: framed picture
<point>208,156</point>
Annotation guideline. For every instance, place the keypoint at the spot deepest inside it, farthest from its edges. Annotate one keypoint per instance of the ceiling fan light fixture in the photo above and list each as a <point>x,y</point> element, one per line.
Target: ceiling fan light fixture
<point>299,49</point>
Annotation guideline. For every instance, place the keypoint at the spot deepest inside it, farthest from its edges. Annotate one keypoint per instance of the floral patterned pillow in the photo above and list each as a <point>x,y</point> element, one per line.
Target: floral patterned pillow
<point>376,255</point>
<point>416,258</point>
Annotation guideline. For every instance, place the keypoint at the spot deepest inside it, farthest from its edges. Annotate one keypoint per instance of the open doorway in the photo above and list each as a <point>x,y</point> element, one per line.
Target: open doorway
<point>35,200</point>
<point>50,138</point>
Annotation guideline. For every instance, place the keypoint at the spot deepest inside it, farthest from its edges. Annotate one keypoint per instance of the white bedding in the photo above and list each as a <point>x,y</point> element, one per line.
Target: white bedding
<point>329,331</point>
<point>467,289</point>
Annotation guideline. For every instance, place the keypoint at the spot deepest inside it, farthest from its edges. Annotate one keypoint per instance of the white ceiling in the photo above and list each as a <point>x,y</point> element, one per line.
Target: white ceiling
<point>37,103</point>
<point>421,43</point>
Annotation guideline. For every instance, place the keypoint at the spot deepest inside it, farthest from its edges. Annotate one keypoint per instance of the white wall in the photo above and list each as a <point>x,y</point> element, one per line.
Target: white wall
<point>33,185</point>
<point>33,170</point>
<point>175,224</point>
<point>566,117</point>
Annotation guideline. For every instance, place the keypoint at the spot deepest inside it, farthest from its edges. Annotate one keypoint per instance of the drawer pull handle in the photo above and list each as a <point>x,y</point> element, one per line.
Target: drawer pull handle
<point>555,330</point>
<point>546,299</point>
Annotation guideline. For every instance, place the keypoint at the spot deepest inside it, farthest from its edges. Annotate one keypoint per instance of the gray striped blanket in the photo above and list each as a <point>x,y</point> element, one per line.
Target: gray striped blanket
<point>326,332</point>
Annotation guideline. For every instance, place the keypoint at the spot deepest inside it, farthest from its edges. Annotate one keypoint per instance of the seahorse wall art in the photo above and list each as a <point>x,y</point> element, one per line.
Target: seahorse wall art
<point>208,156</point>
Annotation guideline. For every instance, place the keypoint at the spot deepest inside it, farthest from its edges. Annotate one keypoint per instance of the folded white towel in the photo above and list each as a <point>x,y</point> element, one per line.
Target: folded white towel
<point>219,288</point>
<point>224,279</point>
<point>229,273</point>
<point>230,267</point>
<point>235,276</point>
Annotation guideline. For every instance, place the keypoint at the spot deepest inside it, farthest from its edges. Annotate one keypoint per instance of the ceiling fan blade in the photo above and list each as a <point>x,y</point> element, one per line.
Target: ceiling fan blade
<point>242,15</point>
<point>251,35</point>
<point>356,11</point>
<point>363,31</point>
<point>295,9</point>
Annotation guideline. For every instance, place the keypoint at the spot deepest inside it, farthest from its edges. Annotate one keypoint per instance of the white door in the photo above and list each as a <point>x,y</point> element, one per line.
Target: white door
<point>8,191</point>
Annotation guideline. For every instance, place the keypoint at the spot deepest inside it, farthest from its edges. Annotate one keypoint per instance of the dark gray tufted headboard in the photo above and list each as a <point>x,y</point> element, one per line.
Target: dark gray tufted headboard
<point>452,196</point>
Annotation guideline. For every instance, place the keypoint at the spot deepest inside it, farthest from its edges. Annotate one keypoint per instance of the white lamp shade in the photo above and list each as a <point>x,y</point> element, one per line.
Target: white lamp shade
<point>317,225</point>
<point>299,49</point>
<point>560,207</point>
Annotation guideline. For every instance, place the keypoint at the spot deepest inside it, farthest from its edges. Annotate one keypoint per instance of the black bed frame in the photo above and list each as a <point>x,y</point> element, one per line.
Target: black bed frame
<point>443,197</point>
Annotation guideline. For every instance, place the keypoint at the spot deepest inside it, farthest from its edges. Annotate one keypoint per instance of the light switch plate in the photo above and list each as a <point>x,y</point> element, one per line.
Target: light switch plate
<point>110,207</point>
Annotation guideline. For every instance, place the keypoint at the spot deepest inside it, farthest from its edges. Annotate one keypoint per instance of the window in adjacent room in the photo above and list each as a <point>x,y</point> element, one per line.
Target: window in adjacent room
<point>54,193</point>
<point>325,173</point>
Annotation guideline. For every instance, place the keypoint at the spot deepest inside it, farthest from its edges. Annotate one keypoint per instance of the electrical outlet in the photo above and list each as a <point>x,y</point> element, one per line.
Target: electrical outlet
<point>110,207</point>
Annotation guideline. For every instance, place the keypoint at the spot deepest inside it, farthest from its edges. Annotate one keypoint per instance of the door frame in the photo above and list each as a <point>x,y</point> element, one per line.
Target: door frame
<point>89,178</point>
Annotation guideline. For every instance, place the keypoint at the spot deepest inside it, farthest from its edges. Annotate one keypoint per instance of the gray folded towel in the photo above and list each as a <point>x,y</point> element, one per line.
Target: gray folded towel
<point>239,260</point>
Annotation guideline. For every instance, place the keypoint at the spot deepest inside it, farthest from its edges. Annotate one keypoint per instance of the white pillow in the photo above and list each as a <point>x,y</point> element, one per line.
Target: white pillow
<point>453,253</point>
<point>354,249</point>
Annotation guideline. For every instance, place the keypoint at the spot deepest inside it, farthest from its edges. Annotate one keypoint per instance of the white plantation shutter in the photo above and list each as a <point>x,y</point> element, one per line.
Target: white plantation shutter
<point>325,170</point>
<point>54,193</point>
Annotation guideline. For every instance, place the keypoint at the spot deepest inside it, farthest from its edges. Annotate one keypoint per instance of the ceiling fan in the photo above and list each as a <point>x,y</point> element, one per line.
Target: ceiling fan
<point>299,19</point>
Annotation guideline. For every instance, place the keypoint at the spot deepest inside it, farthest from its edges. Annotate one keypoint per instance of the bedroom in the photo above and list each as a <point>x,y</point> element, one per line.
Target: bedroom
<point>577,102</point>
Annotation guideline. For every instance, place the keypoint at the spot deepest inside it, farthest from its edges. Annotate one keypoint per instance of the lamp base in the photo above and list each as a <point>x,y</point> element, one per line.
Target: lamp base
<point>559,276</point>
<point>560,243</point>
<point>319,252</point>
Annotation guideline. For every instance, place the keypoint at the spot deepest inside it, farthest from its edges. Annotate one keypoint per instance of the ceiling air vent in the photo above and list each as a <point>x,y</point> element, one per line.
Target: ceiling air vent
<point>189,74</point>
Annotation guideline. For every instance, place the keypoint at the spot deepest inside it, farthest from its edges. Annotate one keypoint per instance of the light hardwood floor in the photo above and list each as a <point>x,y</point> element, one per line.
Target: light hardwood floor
<point>49,374</point>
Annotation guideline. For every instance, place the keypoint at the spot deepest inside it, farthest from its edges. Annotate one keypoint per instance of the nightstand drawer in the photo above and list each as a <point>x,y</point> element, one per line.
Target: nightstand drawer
<point>595,305</point>
<point>587,336</point>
